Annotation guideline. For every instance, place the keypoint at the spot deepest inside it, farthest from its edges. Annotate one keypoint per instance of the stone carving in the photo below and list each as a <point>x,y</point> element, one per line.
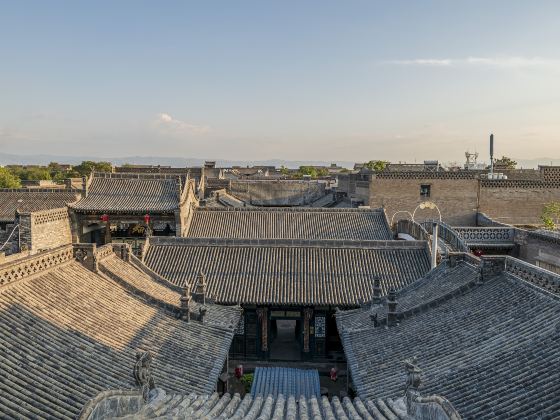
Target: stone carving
<point>21,269</point>
<point>418,407</point>
<point>320,323</point>
<point>104,251</point>
<point>143,373</point>
<point>413,382</point>
<point>241,326</point>
<point>80,255</point>
<point>518,183</point>
<point>426,175</point>
<point>49,216</point>
<point>413,373</point>
<point>542,278</point>
<point>486,234</point>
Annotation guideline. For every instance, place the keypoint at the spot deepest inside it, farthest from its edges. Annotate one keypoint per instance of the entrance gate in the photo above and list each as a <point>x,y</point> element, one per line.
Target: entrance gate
<point>286,335</point>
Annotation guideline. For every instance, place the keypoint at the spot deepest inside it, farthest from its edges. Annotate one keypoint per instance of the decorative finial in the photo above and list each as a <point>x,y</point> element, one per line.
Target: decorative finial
<point>143,373</point>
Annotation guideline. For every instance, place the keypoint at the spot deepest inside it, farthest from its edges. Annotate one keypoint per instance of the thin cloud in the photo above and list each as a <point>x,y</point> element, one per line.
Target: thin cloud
<point>506,62</point>
<point>167,122</point>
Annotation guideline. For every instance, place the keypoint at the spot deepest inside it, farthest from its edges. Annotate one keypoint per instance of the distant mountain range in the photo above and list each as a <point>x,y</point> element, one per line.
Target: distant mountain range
<point>43,159</point>
<point>13,159</point>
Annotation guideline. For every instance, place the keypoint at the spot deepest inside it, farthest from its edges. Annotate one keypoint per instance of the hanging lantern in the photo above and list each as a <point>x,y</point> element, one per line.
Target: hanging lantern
<point>146,218</point>
<point>105,218</point>
<point>333,374</point>
<point>239,371</point>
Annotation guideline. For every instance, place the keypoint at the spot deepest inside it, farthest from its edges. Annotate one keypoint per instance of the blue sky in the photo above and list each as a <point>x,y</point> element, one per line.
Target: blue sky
<point>328,80</point>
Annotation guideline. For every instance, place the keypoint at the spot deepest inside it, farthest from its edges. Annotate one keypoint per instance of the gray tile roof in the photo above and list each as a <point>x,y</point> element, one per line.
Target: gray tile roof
<point>286,272</point>
<point>67,333</point>
<point>192,406</point>
<point>286,381</point>
<point>126,193</point>
<point>33,200</point>
<point>441,283</point>
<point>492,350</point>
<point>290,223</point>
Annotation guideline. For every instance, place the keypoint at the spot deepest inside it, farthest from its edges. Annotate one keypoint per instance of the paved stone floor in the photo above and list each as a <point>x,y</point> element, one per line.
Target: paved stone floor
<point>285,345</point>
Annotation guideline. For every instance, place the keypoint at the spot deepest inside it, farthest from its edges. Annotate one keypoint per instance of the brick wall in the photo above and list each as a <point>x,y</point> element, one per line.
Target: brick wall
<point>516,205</point>
<point>538,249</point>
<point>277,193</point>
<point>46,229</point>
<point>460,196</point>
<point>456,198</point>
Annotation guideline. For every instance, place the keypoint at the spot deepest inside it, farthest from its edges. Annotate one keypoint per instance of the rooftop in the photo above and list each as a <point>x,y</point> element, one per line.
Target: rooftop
<point>69,333</point>
<point>491,346</point>
<point>131,193</point>
<point>290,223</point>
<point>289,272</point>
<point>32,200</point>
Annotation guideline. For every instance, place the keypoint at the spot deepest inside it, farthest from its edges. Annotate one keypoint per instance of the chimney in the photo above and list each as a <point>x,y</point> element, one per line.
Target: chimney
<point>376,299</point>
<point>479,276</point>
<point>392,308</point>
<point>185,300</point>
<point>202,313</point>
<point>85,186</point>
<point>199,294</point>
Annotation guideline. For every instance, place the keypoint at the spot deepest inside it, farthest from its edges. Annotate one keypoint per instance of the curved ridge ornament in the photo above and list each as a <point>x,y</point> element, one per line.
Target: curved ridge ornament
<point>143,373</point>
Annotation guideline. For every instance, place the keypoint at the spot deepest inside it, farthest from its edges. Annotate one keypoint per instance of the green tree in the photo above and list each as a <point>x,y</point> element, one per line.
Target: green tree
<point>87,166</point>
<point>284,170</point>
<point>506,163</point>
<point>58,173</point>
<point>8,179</point>
<point>551,215</point>
<point>377,165</point>
<point>36,174</point>
<point>312,171</point>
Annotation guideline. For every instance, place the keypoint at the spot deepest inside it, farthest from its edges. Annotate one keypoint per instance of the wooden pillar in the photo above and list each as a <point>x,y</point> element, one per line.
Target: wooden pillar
<point>307,315</point>
<point>108,232</point>
<point>262,314</point>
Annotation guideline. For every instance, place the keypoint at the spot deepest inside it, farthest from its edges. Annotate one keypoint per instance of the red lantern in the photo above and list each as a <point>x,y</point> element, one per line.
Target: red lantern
<point>334,374</point>
<point>146,218</point>
<point>105,218</point>
<point>239,371</point>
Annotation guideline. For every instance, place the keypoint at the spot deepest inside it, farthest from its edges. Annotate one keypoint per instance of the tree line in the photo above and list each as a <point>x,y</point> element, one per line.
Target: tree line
<point>12,176</point>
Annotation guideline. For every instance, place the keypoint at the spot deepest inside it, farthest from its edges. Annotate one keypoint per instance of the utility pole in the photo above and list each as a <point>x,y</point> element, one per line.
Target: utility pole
<point>492,154</point>
<point>435,231</point>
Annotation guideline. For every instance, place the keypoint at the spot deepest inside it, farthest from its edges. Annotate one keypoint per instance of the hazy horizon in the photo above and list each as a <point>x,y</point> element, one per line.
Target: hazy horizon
<point>329,81</point>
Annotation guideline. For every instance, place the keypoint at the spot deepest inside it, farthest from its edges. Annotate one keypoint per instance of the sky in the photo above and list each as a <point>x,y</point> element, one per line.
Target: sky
<point>320,80</point>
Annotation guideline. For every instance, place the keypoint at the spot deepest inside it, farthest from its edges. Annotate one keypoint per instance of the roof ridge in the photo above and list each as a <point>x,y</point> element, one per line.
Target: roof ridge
<point>290,209</point>
<point>284,243</point>
<point>136,175</point>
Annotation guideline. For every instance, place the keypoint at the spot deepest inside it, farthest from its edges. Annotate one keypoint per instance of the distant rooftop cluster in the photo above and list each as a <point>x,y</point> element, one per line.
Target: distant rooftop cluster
<point>379,292</point>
